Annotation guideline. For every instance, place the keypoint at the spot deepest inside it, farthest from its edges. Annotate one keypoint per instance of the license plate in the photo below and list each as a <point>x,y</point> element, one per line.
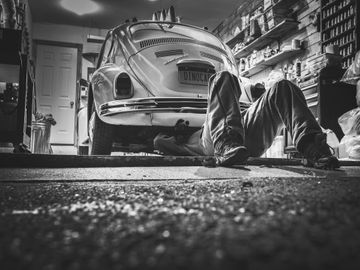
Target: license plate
<point>194,77</point>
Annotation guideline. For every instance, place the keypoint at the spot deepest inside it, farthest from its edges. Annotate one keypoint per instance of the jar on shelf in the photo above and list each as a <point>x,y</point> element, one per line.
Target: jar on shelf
<point>242,64</point>
<point>298,68</point>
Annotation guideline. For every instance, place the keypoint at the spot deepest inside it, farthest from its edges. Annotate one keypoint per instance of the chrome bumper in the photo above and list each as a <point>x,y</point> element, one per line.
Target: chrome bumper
<point>152,105</point>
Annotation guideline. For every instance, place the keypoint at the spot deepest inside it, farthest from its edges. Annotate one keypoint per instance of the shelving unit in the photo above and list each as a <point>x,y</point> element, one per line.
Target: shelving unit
<point>15,115</point>
<point>340,26</point>
<point>284,4</point>
<point>91,56</point>
<point>273,34</point>
<point>269,62</point>
<point>328,99</point>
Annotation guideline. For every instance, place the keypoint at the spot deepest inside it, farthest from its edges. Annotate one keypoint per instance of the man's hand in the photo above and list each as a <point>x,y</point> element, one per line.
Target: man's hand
<point>181,130</point>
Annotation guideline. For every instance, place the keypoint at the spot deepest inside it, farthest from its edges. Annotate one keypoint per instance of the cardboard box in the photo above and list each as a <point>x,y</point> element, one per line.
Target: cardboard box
<point>274,17</point>
<point>267,4</point>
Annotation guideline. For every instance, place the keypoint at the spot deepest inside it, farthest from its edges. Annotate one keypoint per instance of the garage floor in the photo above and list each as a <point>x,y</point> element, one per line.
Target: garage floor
<point>179,216</point>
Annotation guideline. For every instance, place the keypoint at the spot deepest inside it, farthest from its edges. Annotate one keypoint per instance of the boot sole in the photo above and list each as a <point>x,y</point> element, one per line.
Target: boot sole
<point>331,164</point>
<point>237,157</point>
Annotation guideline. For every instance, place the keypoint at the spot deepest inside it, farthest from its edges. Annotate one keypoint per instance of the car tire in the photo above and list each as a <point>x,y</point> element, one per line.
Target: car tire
<point>83,150</point>
<point>100,143</point>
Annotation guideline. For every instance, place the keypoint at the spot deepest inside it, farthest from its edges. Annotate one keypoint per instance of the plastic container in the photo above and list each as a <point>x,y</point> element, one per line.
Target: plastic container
<point>40,137</point>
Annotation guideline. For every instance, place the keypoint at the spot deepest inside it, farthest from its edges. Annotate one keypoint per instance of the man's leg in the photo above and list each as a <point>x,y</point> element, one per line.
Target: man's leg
<point>223,132</point>
<point>285,105</point>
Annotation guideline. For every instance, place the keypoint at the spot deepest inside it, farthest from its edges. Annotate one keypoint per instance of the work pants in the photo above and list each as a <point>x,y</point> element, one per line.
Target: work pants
<point>281,106</point>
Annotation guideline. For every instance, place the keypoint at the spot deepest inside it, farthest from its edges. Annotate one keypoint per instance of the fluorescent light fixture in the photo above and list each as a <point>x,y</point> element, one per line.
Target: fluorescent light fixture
<point>80,7</point>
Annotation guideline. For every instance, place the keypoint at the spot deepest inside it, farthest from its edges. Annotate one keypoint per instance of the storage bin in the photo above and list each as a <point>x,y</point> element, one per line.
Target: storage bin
<point>40,137</point>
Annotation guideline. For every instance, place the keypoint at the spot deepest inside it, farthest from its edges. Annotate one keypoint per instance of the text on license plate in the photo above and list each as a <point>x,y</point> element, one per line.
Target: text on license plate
<point>194,77</point>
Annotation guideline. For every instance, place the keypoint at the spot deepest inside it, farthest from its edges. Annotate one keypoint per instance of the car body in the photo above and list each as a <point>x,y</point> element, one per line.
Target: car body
<point>149,75</point>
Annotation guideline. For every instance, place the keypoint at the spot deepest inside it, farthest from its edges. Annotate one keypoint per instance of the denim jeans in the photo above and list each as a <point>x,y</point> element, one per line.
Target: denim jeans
<point>283,105</point>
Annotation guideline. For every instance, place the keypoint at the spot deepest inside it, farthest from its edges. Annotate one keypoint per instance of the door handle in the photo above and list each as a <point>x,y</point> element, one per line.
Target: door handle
<point>71,104</point>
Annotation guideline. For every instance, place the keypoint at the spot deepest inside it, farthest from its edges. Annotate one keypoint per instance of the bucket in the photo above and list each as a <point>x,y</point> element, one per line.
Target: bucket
<point>40,138</point>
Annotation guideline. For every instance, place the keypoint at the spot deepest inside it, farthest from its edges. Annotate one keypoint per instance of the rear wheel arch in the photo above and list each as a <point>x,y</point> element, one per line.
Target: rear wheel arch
<point>101,135</point>
<point>90,102</point>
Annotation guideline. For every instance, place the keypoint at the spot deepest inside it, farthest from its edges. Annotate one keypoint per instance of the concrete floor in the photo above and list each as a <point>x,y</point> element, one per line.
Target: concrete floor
<point>149,219</point>
<point>102,214</point>
<point>172,173</point>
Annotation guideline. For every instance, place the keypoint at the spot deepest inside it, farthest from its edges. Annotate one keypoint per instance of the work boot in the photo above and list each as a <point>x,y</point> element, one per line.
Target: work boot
<point>318,154</point>
<point>228,150</point>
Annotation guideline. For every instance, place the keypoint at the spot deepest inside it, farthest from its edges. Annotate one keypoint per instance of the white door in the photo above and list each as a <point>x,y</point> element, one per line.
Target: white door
<point>56,69</point>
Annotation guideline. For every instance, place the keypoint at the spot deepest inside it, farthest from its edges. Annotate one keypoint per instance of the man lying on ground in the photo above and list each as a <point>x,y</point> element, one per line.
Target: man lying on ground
<point>232,137</point>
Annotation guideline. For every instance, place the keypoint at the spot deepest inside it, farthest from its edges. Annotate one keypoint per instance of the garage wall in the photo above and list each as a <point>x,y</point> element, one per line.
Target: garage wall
<point>70,34</point>
<point>307,33</point>
<point>226,29</point>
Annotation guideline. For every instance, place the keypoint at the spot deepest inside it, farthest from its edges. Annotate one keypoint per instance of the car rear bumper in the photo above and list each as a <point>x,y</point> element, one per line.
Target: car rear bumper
<point>154,111</point>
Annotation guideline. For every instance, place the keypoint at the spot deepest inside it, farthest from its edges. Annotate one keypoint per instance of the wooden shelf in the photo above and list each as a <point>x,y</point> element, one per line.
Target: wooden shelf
<point>330,4</point>
<point>10,58</point>
<point>350,17</point>
<point>90,56</point>
<point>269,62</point>
<point>9,73</point>
<point>283,4</point>
<point>240,36</point>
<point>275,33</point>
<point>95,39</point>
<point>346,44</point>
<point>339,35</point>
<point>342,38</point>
<point>337,12</point>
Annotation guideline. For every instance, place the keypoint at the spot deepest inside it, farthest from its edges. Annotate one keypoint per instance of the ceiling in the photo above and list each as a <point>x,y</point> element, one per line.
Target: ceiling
<point>114,12</point>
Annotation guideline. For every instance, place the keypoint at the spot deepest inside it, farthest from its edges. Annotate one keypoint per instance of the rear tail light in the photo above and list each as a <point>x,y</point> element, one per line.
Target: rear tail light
<point>123,86</point>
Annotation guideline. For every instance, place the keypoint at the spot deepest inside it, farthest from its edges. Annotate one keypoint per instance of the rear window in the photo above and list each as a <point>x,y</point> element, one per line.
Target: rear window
<point>148,30</point>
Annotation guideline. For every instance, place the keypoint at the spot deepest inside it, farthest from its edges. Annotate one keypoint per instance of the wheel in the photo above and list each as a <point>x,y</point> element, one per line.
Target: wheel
<point>100,135</point>
<point>83,150</point>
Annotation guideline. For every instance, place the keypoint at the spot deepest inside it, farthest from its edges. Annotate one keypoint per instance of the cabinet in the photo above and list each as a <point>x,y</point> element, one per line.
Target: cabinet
<point>17,97</point>
<point>340,27</point>
<point>327,99</point>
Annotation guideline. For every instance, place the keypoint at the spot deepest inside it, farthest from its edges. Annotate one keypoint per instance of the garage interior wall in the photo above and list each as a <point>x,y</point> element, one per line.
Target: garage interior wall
<point>47,32</point>
<point>70,34</point>
<point>307,33</point>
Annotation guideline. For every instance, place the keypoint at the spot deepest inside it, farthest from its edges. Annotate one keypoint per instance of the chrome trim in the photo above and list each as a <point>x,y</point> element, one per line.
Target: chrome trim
<point>113,111</point>
<point>197,62</point>
<point>195,105</point>
<point>175,59</point>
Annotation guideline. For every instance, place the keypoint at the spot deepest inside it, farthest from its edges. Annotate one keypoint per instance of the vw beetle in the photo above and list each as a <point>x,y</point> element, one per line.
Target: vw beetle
<point>149,75</point>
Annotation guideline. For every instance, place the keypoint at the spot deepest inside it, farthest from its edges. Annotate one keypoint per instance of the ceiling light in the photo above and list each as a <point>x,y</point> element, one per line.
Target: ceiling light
<point>80,7</point>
